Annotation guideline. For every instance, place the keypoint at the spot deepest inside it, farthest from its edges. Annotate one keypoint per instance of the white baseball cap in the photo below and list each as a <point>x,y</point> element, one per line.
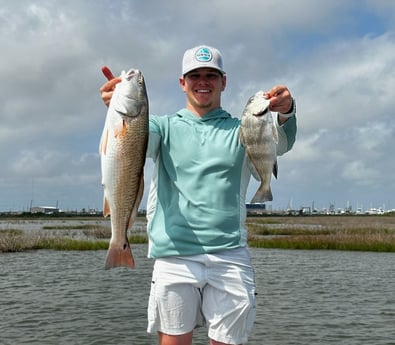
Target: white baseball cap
<point>202,56</point>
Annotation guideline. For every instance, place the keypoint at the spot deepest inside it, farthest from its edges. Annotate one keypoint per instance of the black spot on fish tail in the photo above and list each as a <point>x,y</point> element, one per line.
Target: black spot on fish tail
<point>119,256</point>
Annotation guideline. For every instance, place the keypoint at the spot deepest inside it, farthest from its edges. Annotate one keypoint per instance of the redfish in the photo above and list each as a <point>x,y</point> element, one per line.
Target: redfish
<point>123,148</point>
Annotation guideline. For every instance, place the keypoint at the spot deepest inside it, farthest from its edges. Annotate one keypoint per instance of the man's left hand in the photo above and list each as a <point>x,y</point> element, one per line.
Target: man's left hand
<point>280,99</point>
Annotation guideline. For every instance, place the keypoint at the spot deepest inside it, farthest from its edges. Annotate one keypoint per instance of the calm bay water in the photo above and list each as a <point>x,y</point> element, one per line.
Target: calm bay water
<point>304,297</point>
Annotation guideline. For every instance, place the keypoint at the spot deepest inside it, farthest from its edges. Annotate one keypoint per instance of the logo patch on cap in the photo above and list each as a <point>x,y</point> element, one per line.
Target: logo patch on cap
<point>203,55</point>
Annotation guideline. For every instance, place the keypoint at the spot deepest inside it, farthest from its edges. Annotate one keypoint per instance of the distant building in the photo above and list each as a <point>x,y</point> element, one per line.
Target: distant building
<point>44,209</point>
<point>253,209</point>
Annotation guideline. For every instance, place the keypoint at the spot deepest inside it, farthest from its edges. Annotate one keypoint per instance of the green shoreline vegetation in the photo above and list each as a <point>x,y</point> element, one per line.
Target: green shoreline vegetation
<point>357,233</point>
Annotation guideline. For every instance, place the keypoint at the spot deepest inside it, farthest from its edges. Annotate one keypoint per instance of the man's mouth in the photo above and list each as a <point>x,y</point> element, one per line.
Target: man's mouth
<point>203,91</point>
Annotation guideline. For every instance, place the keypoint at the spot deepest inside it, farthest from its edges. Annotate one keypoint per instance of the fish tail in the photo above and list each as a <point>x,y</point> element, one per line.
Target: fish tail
<point>119,256</point>
<point>262,195</point>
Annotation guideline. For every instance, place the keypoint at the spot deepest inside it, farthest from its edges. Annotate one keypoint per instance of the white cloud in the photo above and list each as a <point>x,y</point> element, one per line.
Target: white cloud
<point>56,167</point>
<point>348,83</point>
<point>358,172</point>
<point>339,69</point>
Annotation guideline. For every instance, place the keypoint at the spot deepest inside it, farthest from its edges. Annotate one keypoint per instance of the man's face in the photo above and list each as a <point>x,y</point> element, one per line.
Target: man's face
<point>203,87</point>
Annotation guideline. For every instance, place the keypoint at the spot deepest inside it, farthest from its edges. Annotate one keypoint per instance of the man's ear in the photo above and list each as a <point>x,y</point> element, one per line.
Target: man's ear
<point>223,83</point>
<point>181,80</point>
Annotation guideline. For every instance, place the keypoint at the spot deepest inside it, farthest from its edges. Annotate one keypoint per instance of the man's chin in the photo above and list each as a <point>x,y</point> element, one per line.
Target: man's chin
<point>204,105</point>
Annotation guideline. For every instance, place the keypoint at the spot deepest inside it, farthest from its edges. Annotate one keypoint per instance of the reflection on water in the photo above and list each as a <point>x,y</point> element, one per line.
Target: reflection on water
<point>326,297</point>
<point>304,297</point>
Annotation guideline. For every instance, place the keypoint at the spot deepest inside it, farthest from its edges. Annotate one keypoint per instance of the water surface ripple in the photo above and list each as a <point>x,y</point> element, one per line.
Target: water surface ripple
<point>304,297</point>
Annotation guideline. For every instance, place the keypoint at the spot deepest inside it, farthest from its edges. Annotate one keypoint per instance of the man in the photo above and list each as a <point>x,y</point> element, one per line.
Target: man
<point>196,208</point>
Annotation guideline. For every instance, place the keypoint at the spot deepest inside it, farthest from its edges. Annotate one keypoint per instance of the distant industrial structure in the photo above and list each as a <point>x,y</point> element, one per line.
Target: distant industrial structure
<point>253,209</point>
<point>48,210</point>
<point>44,209</point>
<point>256,209</point>
<point>262,209</point>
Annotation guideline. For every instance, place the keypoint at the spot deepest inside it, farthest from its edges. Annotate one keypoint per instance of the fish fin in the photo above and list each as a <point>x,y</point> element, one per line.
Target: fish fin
<point>120,129</point>
<point>275,169</point>
<point>252,168</point>
<point>262,195</point>
<point>106,207</point>
<point>139,196</point>
<point>119,256</point>
<point>103,142</point>
<point>141,190</point>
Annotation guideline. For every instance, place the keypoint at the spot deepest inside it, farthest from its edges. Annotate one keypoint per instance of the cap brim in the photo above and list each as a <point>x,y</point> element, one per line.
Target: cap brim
<point>195,68</point>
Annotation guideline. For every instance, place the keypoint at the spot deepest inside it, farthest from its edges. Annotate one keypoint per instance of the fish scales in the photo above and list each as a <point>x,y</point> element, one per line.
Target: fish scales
<point>123,148</point>
<point>259,136</point>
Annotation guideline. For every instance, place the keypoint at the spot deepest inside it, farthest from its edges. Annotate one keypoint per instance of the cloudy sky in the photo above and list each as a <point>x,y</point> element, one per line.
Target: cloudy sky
<point>337,57</point>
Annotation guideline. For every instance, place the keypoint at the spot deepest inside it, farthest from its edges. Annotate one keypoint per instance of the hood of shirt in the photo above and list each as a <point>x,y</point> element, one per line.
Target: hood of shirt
<point>214,114</point>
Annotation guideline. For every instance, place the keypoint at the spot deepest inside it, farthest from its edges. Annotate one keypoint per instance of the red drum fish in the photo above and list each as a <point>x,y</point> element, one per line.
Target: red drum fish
<point>123,148</point>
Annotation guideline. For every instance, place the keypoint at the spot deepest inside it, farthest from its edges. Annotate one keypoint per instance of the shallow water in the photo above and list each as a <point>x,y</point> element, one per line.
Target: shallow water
<point>304,297</point>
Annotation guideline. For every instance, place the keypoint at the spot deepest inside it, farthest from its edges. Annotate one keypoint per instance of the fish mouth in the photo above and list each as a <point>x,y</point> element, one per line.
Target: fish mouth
<point>133,73</point>
<point>263,112</point>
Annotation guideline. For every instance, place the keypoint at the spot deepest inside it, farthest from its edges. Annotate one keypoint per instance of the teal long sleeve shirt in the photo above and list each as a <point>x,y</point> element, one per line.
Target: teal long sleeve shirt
<point>196,202</point>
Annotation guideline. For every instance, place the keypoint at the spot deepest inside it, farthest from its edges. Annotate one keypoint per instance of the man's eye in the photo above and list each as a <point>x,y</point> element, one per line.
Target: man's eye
<point>197,76</point>
<point>212,76</point>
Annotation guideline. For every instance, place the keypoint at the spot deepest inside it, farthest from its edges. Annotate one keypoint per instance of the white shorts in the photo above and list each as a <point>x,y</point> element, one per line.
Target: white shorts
<point>217,290</point>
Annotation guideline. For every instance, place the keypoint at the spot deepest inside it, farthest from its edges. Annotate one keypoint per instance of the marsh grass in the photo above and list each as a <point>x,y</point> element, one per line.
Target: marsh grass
<point>11,241</point>
<point>339,233</point>
<point>138,239</point>
<point>72,227</point>
<point>96,237</point>
<point>70,244</point>
<point>18,242</point>
<point>97,232</point>
<point>370,242</point>
<point>364,233</point>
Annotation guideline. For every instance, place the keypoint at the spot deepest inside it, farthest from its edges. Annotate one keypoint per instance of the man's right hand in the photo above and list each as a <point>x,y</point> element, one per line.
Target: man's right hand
<point>107,88</point>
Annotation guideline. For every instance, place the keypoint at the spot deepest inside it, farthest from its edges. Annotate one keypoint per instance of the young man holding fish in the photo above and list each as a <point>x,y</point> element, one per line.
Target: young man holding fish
<point>196,210</point>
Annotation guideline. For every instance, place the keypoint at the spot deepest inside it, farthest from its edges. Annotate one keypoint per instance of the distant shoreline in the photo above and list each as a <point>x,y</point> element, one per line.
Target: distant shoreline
<point>92,232</point>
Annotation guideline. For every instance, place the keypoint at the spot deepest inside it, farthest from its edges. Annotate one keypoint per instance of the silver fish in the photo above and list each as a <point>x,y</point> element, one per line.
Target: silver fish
<point>258,134</point>
<point>123,148</point>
